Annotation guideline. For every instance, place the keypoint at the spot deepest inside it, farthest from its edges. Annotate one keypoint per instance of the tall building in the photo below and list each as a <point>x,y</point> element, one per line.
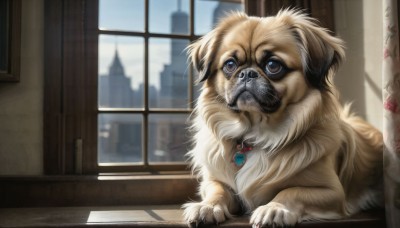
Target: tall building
<point>174,77</point>
<point>115,88</point>
<point>120,136</point>
<point>223,8</point>
<point>171,130</point>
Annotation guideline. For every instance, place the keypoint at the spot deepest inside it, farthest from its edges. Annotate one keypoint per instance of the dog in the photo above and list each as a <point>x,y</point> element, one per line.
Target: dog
<point>270,137</point>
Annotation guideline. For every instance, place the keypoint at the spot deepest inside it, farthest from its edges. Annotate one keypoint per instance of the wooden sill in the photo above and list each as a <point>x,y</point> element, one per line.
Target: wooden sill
<point>112,201</point>
<point>146,216</point>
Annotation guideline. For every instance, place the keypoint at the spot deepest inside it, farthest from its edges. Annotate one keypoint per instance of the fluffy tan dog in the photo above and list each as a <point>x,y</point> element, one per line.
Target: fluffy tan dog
<point>271,138</point>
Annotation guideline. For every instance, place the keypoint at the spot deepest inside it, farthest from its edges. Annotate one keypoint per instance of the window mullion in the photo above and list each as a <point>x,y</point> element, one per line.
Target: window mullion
<point>190,73</point>
<point>145,129</point>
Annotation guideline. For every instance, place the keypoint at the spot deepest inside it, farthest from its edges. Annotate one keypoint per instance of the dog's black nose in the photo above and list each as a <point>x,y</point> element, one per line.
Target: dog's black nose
<point>247,75</point>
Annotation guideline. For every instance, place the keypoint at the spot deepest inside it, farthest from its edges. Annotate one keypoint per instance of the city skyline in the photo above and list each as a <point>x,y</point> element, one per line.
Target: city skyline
<point>131,49</point>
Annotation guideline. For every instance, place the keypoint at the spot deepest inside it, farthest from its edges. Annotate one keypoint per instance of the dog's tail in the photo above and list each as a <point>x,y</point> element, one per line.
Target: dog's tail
<point>361,153</point>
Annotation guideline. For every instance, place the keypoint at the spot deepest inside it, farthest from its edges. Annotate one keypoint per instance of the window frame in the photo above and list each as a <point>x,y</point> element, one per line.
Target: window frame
<point>71,108</point>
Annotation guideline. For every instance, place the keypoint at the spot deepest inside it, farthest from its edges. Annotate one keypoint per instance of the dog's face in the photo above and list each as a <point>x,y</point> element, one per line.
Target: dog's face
<point>265,64</point>
<point>258,67</point>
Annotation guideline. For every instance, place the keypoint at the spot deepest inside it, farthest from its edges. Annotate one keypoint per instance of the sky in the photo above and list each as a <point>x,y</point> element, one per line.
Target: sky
<point>129,15</point>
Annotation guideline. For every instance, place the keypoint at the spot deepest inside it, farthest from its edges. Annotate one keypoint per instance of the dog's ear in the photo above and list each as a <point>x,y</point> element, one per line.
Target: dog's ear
<point>321,53</point>
<point>203,52</point>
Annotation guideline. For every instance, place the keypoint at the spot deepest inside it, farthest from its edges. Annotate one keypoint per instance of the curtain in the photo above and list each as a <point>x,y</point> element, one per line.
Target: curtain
<point>391,122</point>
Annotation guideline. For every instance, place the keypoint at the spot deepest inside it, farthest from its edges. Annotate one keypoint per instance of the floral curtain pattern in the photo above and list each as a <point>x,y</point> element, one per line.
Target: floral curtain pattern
<point>391,122</point>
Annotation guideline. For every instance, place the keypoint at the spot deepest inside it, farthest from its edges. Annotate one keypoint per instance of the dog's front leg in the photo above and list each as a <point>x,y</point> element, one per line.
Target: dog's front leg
<point>217,204</point>
<point>295,204</point>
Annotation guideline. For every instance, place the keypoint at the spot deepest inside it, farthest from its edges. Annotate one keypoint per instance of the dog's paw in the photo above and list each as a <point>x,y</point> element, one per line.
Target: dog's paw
<point>203,212</point>
<point>273,214</point>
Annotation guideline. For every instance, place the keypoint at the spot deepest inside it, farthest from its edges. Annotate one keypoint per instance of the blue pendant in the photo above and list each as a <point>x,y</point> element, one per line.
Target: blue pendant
<point>239,158</point>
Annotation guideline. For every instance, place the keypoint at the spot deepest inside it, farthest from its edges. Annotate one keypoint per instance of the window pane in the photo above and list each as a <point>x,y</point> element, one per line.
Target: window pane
<point>207,13</point>
<point>121,15</point>
<point>168,138</point>
<point>121,71</point>
<point>119,138</point>
<point>168,71</point>
<point>169,16</point>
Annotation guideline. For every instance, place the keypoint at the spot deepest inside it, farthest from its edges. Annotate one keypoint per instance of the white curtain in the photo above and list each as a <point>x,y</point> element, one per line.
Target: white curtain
<point>391,122</point>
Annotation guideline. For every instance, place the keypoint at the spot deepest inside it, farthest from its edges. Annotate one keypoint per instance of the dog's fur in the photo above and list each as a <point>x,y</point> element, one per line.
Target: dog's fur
<point>311,158</point>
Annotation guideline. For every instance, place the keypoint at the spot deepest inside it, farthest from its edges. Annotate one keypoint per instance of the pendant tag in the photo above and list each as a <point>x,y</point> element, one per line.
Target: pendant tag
<point>239,159</point>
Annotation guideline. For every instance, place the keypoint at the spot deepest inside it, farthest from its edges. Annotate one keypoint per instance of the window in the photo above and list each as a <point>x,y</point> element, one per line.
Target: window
<point>128,90</point>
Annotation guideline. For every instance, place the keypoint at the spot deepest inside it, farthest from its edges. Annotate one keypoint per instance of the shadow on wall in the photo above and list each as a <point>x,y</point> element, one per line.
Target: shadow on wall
<point>350,77</point>
<point>376,89</point>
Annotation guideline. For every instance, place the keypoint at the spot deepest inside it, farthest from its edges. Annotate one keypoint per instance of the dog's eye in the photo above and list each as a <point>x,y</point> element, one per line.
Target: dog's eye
<point>229,67</point>
<point>274,69</point>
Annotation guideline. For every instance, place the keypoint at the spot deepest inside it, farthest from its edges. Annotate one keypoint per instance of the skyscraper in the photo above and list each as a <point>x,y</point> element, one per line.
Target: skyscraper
<point>171,129</point>
<point>174,77</point>
<point>223,8</point>
<point>115,88</point>
<point>172,137</point>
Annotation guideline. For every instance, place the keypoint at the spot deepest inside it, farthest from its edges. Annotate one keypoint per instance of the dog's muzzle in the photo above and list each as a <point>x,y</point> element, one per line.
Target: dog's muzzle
<point>251,91</point>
